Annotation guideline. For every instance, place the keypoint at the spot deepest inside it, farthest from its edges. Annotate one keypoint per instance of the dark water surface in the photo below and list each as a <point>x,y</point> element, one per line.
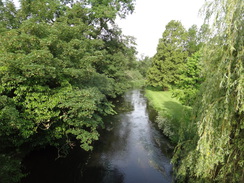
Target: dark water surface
<point>130,150</point>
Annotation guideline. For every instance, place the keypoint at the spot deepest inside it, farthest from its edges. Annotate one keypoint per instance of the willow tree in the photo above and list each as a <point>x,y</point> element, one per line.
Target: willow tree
<point>217,152</point>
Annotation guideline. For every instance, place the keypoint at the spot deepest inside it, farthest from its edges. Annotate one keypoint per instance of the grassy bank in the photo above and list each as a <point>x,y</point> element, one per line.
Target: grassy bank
<point>172,116</point>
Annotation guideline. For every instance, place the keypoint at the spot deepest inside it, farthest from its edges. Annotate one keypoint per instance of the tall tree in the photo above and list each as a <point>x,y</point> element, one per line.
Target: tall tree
<point>204,34</point>
<point>216,153</point>
<point>143,65</point>
<point>190,77</point>
<point>58,69</point>
<point>170,56</point>
<point>192,40</point>
<point>190,80</point>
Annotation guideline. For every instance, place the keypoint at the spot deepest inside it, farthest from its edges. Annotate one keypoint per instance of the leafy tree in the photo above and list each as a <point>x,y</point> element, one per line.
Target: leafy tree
<point>190,77</point>
<point>192,40</point>
<point>170,57</point>
<point>190,80</point>
<point>143,65</point>
<point>204,34</point>
<point>60,62</point>
<point>216,152</point>
<point>7,15</point>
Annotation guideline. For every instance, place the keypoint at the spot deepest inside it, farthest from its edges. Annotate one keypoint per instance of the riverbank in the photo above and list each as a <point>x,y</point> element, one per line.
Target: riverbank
<point>172,115</point>
<point>130,149</point>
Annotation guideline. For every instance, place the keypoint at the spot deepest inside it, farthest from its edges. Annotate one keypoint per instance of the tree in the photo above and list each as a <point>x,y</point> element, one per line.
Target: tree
<point>204,34</point>
<point>170,56</point>
<point>143,65</point>
<point>192,40</point>
<point>7,15</point>
<point>58,69</point>
<point>190,80</point>
<point>216,152</point>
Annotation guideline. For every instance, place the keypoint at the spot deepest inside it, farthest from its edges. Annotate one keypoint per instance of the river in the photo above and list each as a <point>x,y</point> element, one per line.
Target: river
<point>131,150</point>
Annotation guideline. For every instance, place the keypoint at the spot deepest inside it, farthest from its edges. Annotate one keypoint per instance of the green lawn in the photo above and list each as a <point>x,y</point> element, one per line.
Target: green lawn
<point>172,115</point>
<point>162,101</point>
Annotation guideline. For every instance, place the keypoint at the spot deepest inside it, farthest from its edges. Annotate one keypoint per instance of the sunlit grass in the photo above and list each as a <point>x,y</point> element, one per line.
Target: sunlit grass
<point>172,115</point>
<point>163,101</point>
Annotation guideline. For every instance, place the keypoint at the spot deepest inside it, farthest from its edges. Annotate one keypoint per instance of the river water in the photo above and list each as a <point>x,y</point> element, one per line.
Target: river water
<point>131,150</point>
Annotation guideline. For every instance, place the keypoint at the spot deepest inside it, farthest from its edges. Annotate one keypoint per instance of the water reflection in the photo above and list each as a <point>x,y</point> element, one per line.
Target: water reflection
<point>130,150</point>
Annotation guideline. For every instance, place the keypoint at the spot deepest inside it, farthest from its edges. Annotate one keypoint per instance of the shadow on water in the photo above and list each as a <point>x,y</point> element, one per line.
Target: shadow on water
<point>159,138</point>
<point>130,150</point>
<point>42,166</point>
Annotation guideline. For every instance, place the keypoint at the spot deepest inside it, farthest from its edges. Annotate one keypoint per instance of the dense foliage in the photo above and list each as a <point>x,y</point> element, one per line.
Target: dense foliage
<point>143,65</point>
<point>210,78</point>
<point>190,80</point>
<point>191,77</point>
<point>60,62</point>
<point>177,67</point>
<point>215,154</point>
<point>170,57</point>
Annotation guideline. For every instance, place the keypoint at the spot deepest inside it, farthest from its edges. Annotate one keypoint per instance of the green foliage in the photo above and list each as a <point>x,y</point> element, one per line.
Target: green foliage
<point>137,72</point>
<point>59,64</point>
<point>190,80</point>
<point>170,57</point>
<point>176,64</point>
<point>216,152</point>
<point>135,78</point>
<point>7,15</point>
<point>193,43</point>
<point>143,65</point>
<point>204,34</point>
<point>10,169</point>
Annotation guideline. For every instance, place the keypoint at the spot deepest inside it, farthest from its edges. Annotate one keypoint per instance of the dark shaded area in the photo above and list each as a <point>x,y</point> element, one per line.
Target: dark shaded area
<point>160,139</point>
<point>130,150</point>
<point>42,166</point>
<point>102,174</point>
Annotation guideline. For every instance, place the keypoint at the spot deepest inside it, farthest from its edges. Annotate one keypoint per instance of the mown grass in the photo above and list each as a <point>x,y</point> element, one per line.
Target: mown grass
<point>172,115</point>
<point>163,101</point>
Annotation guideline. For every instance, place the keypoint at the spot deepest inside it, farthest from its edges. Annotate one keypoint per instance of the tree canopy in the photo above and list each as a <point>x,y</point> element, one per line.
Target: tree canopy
<point>170,57</point>
<point>60,63</point>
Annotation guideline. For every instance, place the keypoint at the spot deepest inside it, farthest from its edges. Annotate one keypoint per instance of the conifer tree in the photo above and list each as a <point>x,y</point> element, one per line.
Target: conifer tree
<point>170,57</point>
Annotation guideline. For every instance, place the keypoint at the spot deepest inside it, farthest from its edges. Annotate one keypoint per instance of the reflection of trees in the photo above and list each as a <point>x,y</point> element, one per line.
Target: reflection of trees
<point>103,175</point>
<point>123,104</point>
<point>113,138</point>
<point>115,141</point>
<point>123,141</point>
<point>111,143</point>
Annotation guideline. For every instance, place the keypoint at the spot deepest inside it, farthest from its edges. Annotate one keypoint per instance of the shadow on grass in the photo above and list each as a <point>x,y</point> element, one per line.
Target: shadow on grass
<point>154,88</point>
<point>174,109</point>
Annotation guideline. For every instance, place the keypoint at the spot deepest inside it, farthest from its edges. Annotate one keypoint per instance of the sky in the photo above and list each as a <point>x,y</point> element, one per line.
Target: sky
<point>150,17</point>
